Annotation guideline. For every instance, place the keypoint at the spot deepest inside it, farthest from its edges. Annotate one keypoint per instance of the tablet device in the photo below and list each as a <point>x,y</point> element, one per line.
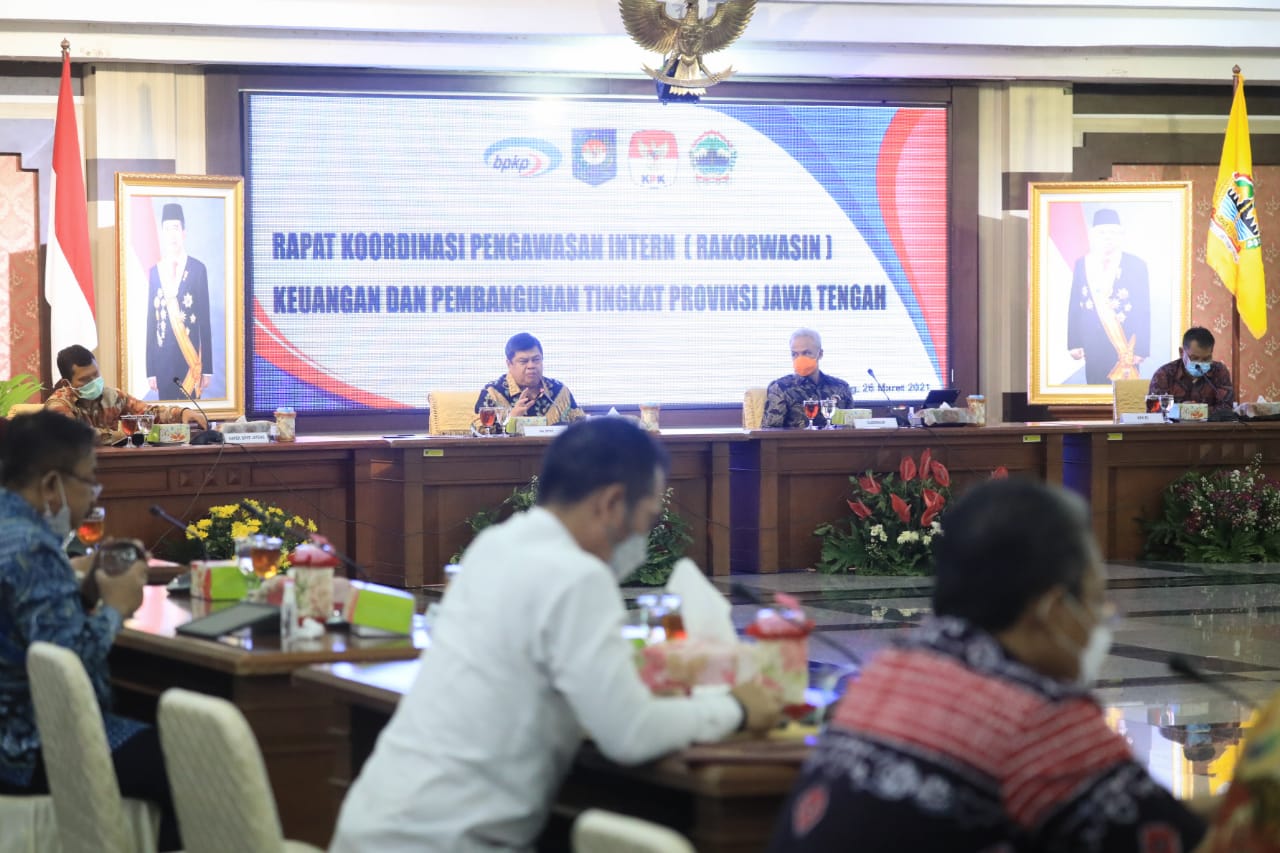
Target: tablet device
<point>261,618</point>
<point>939,396</point>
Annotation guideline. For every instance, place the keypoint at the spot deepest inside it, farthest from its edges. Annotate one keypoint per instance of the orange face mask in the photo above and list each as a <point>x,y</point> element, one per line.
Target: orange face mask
<point>804,366</point>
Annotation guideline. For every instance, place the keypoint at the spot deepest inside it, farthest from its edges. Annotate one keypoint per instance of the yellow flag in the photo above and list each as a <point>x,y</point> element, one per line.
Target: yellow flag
<point>1234,249</point>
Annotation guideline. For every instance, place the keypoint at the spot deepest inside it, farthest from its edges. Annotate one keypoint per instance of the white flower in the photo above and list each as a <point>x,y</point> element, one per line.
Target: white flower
<point>926,539</point>
<point>877,530</point>
<point>908,536</point>
<point>935,526</point>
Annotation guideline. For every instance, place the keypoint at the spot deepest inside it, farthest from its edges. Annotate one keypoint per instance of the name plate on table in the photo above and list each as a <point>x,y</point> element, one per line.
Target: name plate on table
<point>876,423</point>
<point>544,431</point>
<point>1141,418</point>
<point>246,438</point>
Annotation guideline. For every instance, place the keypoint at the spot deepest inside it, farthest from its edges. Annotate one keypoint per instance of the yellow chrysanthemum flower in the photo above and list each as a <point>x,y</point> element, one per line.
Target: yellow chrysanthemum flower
<point>192,531</point>
<point>204,523</point>
<point>311,525</point>
<point>239,530</point>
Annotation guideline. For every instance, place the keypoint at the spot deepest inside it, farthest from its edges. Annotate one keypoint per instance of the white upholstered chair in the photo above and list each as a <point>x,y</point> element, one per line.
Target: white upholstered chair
<point>1130,396</point>
<point>753,408</point>
<point>28,825</point>
<point>597,831</point>
<point>220,787</point>
<point>452,412</point>
<point>92,817</point>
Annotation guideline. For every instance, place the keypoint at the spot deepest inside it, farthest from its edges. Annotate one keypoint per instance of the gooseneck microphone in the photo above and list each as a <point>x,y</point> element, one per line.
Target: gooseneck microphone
<point>1184,667</point>
<point>353,568</point>
<point>898,412</point>
<point>208,436</point>
<point>158,512</point>
<point>755,598</point>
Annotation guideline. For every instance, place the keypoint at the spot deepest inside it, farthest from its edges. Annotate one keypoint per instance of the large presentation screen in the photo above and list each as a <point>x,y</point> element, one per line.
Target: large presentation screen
<point>660,253</point>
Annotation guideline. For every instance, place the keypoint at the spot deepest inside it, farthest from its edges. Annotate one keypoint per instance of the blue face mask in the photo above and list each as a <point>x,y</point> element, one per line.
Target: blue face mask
<point>1196,368</point>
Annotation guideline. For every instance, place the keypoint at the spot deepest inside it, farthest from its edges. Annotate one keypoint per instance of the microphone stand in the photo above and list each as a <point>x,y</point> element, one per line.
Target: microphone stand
<point>207,436</point>
<point>158,512</point>
<point>1184,667</point>
<point>896,411</point>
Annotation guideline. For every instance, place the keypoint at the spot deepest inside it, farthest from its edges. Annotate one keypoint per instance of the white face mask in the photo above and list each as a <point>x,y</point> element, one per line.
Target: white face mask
<point>59,522</point>
<point>628,556</point>
<point>1090,657</point>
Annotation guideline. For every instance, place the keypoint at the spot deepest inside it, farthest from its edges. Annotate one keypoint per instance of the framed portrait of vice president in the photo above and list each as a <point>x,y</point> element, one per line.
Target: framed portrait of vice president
<point>1110,273</point>
<point>181,273</point>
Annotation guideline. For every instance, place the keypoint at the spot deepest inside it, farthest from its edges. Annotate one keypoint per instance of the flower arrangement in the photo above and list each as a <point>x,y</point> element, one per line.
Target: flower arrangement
<point>667,541</point>
<point>1218,517</point>
<point>219,530</point>
<point>895,520</point>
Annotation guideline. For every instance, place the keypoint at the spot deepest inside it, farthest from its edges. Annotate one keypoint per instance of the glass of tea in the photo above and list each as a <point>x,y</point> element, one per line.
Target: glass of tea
<point>92,528</point>
<point>264,552</point>
<point>488,417</point>
<point>811,411</point>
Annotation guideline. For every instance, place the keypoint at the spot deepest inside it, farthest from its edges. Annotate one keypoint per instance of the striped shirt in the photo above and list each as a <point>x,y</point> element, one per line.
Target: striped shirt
<point>947,743</point>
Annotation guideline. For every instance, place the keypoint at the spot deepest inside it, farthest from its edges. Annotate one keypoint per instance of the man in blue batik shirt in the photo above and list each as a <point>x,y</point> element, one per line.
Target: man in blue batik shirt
<point>47,469</point>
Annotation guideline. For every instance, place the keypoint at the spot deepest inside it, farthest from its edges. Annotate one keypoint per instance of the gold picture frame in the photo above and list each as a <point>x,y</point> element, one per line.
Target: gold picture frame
<point>1110,275</point>
<point>180,250</point>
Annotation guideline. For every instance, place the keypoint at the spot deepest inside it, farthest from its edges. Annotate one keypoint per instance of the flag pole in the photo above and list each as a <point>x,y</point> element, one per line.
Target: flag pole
<point>1235,302</point>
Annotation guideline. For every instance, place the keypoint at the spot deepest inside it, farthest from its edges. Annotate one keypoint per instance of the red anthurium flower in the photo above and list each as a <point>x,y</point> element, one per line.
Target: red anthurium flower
<point>930,514</point>
<point>860,509</point>
<point>907,469</point>
<point>925,458</point>
<point>868,484</point>
<point>932,499</point>
<point>941,475</point>
<point>900,507</point>
<point>1001,473</point>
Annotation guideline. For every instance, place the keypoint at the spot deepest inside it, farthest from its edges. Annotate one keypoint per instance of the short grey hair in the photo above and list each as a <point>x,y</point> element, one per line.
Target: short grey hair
<point>805,333</point>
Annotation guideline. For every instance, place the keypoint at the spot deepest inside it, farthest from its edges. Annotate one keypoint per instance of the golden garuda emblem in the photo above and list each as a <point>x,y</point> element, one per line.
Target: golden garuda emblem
<point>685,40</point>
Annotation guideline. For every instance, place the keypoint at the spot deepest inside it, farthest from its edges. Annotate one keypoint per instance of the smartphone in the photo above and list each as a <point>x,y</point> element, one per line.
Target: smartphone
<point>115,558</point>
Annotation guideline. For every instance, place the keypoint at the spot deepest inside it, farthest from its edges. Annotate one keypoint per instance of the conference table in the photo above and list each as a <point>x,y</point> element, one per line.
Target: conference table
<point>401,507</point>
<point>301,730</point>
<point>724,797</point>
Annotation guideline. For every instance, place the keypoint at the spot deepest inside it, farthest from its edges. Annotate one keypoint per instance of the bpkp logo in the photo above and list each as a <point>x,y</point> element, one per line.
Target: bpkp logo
<point>522,156</point>
<point>712,157</point>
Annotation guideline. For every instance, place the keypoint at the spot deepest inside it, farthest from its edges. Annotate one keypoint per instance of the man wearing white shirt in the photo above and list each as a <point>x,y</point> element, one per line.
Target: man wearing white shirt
<point>527,657</point>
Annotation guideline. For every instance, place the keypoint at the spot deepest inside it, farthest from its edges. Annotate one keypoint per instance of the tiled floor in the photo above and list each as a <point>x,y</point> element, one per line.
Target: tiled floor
<point>1224,619</point>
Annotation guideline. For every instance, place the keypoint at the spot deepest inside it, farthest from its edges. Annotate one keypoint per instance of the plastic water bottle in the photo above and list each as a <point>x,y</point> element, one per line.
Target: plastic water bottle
<point>288,612</point>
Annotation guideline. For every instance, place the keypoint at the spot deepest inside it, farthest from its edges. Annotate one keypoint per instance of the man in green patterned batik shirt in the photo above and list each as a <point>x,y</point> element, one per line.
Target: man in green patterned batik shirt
<point>785,404</point>
<point>525,391</point>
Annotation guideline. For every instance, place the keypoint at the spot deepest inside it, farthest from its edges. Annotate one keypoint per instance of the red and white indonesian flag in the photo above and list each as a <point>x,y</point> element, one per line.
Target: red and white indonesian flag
<point>68,271</point>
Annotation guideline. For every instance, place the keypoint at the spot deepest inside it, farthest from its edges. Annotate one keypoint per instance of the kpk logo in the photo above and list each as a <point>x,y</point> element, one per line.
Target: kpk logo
<point>654,158</point>
<point>712,157</point>
<point>595,155</point>
<point>522,156</point>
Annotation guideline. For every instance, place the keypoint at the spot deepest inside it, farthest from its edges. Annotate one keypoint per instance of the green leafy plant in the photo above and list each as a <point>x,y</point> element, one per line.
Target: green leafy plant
<point>895,520</point>
<point>17,389</point>
<point>1225,516</point>
<point>668,540</point>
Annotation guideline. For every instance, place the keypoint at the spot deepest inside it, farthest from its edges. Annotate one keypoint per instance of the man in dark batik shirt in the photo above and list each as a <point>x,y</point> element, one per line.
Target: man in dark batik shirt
<point>784,406</point>
<point>525,391</point>
<point>1194,377</point>
<point>978,733</point>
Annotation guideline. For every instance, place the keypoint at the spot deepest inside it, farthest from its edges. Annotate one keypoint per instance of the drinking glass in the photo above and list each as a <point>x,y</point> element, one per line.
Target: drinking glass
<point>145,422</point>
<point>811,412</point>
<point>1166,401</point>
<point>488,417</point>
<point>265,553</point>
<point>92,528</point>
<point>129,426</point>
<point>829,409</point>
<point>504,416</point>
<point>1153,403</point>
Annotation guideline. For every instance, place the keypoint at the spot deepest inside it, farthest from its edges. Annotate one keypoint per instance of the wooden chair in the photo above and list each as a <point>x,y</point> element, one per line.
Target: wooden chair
<point>597,831</point>
<point>452,412</point>
<point>220,787</point>
<point>1129,396</point>
<point>92,816</point>
<point>753,408</point>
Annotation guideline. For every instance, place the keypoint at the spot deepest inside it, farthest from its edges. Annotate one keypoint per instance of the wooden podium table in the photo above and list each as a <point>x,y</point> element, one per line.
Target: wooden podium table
<point>724,797</point>
<point>300,730</point>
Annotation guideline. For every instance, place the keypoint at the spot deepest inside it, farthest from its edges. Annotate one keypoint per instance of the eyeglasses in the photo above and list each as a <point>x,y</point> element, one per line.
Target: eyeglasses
<point>93,485</point>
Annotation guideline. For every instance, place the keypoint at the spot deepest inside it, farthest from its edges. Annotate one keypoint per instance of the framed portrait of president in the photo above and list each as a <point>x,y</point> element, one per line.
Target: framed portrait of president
<point>180,247</point>
<point>1109,281</point>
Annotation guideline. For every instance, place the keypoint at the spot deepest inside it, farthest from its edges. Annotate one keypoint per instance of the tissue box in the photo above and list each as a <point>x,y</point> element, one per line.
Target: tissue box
<point>1193,412</point>
<point>677,667</point>
<point>934,417</point>
<point>1260,409</point>
<point>516,426</point>
<point>169,434</point>
<point>846,417</point>
<point>371,605</point>
<point>781,652</point>
<point>218,580</point>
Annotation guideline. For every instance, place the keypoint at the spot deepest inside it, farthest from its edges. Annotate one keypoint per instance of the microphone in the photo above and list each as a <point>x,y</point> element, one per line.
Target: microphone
<point>1184,667</point>
<point>207,436</point>
<point>755,598</point>
<point>353,568</point>
<point>158,512</point>
<point>898,412</point>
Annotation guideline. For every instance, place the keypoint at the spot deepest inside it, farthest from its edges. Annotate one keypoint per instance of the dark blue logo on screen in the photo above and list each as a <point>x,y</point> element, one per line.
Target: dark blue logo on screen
<point>522,156</point>
<point>595,155</point>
